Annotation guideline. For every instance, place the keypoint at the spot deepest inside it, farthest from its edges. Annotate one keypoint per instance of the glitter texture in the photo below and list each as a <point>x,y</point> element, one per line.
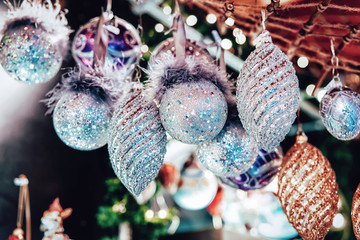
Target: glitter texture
<point>267,94</point>
<point>28,55</point>
<point>340,113</point>
<point>263,171</point>
<point>230,153</point>
<point>124,46</point>
<point>308,190</point>
<point>81,122</point>
<point>192,112</point>
<point>197,190</point>
<point>355,212</point>
<point>137,142</point>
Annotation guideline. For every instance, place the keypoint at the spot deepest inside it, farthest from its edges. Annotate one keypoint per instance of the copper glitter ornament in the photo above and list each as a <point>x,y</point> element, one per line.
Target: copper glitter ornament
<point>308,190</point>
<point>355,213</point>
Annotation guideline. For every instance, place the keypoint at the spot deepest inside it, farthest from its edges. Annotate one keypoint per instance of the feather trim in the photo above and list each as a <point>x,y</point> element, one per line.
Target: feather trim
<point>106,89</point>
<point>46,15</point>
<point>164,72</point>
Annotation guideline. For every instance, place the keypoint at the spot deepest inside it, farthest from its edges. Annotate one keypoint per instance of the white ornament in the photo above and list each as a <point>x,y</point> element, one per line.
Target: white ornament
<point>267,94</point>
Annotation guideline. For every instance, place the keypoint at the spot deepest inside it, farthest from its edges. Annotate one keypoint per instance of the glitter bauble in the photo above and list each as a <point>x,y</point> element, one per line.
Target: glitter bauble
<point>355,212</point>
<point>197,190</point>
<point>262,172</point>
<point>192,112</point>
<point>340,113</point>
<point>192,49</point>
<point>231,153</point>
<point>29,55</point>
<point>81,121</point>
<point>137,142</point>
<point>267,94</point>
<point>308,190</point>
<point>123,50</point>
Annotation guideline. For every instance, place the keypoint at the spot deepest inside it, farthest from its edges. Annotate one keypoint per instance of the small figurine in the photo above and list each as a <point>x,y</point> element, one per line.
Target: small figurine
<point>52,222</point>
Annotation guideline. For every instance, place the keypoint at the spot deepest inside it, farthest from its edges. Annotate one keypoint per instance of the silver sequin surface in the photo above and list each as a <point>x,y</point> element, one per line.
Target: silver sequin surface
<point>230,153</point>
<point>137,142</point>
<point>28,55</point>
<point>340,113</point>
<point>192,112</point>
<point>81,122</point>
<point>267,95</point>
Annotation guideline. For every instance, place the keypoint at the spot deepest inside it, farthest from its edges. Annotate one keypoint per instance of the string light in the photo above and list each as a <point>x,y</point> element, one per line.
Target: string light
<point>167,10</point>
<point>191,20</point>
<point>162,214</point>
<point>211,18</point>
<point>310,89</point>
<point>240,39</point>
<point>237,32</point>
<point>226,44</point>
<point>149,214</point>
<point>320,94</point>
<point>339,221</point>
<point>302,62</point>
<point>159,27</point>
<point>144,48</point>
<point>230,22</point>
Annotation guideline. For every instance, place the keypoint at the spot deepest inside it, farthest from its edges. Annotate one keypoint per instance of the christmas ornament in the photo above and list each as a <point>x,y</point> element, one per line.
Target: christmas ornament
<point>340,112</point>
<point>147,194</point>
<point>273,223</point>
<point>267,94</point>
<point>82,109</point>
<point>308,190</point>
<point>52,222</point>
<point>137,141</point>
<point>190,91</point>
<point>123,47</point>
<point>192,112</point>
<point>191,49</point>
<point>81,121</point>
<point>355,212</point>
<point>34,41</point>
<point>262,172</point>
<point>197,188</point>
<point>216,206</point>
<point>231,153</point>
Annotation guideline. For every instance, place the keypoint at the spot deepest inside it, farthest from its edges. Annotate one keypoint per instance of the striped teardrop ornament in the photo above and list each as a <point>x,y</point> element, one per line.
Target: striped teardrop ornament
<point>137,142</point>
<point>355,213</point>
<point>308,190</point>
<point>267,94</point>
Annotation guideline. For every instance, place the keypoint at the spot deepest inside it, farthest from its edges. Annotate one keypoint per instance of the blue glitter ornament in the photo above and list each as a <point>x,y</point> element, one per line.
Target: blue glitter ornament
<point>192,112</point>
<point>123,50</point>
<point>137,141</point>
<point>81,121</point>
<point>230,153</point>
<point>34,41</point>
<point>262,172</point>
<point>340,113</point>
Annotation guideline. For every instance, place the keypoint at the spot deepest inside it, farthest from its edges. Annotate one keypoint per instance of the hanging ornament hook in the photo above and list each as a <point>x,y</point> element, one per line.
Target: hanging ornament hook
<point>334,61</point>
<point>217,39</point>
<point>179,34</point>
<point>100,44</point>
<point>263,19</point>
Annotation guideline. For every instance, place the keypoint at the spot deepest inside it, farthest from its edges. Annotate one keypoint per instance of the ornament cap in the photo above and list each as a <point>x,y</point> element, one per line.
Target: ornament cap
<point>301,137</point>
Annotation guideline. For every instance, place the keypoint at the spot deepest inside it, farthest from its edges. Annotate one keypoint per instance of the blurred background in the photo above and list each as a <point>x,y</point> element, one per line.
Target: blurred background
<point>29,145</point>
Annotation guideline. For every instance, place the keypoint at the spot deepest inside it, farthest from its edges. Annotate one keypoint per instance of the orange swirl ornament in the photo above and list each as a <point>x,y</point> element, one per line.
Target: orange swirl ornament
<point>308,190</point>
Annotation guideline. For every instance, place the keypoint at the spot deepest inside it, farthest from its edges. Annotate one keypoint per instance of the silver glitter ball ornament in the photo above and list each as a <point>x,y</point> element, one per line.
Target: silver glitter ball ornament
<point>192,112</point>
<point>267,94</point>
<point>340,113</point>
<point>81,121</point>
<point>28,54</point>
<point>137,142</point>
<point>231,153</point>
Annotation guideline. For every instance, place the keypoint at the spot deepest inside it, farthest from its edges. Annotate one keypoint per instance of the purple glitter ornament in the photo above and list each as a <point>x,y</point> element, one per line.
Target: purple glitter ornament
<point>123,50</point>
<point>264,170</point>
